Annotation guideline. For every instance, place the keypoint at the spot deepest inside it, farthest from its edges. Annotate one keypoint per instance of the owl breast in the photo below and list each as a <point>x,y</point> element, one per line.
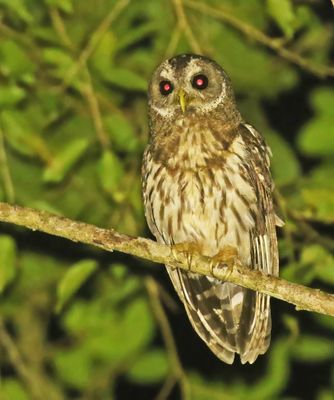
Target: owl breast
<point>202,195</point>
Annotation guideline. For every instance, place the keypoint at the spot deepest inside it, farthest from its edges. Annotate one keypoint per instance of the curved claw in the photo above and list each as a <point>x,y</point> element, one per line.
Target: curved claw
<point>225,258</point>
<point>189,248</point>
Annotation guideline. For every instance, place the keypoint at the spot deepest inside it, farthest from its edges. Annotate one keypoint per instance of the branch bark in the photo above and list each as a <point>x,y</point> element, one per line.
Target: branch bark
<point>302,297</point>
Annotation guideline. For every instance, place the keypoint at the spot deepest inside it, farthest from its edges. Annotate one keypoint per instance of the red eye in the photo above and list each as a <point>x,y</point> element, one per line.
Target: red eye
<point>166,87</point>
<point>200,82</point>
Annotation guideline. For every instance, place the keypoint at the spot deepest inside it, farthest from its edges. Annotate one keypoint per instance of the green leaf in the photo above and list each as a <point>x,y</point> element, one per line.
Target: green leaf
<point>11,389</point>
<point>126,79</point>
<point>57,57</point>
<point>321,176</point>
<point>268,387</point>
<point>102,56</point>
<point>316,137</point>
<point>136,34</point>
<point>291,323</point>
<point>122,133</point>
<point>109,328</point>
<point>298,272</point>
<point>257,77</point>
<point>110,172</point>
<point>74,278</point>
<point>151,367</point>
<point>64,5</point>
<point>322,262</point>
<point>10,95</point>
<point>325,394</point>
<point>283,14</point>
<point>73,366</point>
<point>64,160</point>
<point>15,62</point>
<point>19,8</point>
<point>313,349</point>
<point>137,318</point>
<point>201,390</point>
<point>118,271</point>
<point>322,100</point>
<point>321,203</point>
<point>7,261</point>
<point>60,61</point>
<point>284,162</point>
<point>326,321</point>
<point>21,135</point>
<point>38,270</point>
<point>277,374</point>
<point>315,195</point>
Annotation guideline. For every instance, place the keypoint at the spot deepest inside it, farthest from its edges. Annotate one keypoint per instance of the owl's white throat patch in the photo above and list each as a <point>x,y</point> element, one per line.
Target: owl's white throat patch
<point>164,112</point>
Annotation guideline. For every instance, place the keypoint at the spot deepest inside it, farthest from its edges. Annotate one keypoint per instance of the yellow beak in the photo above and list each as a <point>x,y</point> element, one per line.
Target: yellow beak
<point>182,98</point>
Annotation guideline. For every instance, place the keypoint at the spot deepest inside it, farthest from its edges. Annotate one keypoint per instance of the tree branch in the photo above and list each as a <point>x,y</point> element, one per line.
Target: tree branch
<point>302,297</point>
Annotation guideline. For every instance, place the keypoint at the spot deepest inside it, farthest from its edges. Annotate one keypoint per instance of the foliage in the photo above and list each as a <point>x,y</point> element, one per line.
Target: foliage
<point>73,126</point>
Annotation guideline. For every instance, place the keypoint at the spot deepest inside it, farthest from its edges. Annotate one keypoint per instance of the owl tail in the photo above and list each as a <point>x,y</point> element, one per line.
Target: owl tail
<point>229,318</point>
<point>256,332</point>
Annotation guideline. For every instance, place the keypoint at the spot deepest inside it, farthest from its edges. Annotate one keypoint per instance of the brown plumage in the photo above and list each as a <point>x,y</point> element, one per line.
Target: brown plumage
<point>206,183</point>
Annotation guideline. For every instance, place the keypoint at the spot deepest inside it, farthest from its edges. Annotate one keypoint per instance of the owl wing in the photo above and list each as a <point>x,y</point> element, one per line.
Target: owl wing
<point>227,317</point>
<point>264,252</point>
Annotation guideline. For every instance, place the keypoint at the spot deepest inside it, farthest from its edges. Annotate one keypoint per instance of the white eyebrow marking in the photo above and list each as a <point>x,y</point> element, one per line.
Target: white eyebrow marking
<point>167,72</point>
<point>193,69</point>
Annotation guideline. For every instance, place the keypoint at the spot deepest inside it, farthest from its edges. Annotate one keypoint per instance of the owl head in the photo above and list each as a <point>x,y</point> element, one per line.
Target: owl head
<point>187,84</point>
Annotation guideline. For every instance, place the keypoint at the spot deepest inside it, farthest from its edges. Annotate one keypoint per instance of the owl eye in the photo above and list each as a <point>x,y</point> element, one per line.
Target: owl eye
<point>166,87</point>
<point>200,82</point>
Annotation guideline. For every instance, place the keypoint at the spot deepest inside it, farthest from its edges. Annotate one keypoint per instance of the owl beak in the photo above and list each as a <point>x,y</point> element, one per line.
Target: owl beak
<point>182,99</point>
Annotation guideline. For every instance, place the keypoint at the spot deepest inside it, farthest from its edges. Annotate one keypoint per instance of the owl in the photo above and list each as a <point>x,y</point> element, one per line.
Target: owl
<point>207,188</point>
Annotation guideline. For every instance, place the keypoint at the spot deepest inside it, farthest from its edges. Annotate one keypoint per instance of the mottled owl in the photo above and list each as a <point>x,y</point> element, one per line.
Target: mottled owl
<point>207,186</point>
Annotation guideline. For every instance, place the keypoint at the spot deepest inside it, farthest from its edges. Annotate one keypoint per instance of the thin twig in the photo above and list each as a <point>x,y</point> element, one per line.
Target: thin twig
<point>167,299</point>
<point>31,380</point>
<point>166,388</point>
<point>320,71</point>
<point>95,38</point>
<point>14,356</point>
<point>86,88</point>
<point>302,297</point>
<point>174,41</point>
<point>185,27</point>
<point>5,172</point>
<point>59,27</point>
<point>166,332</point>
<point>311,233</point>
<point>88,92</point>
<point>20,37</point>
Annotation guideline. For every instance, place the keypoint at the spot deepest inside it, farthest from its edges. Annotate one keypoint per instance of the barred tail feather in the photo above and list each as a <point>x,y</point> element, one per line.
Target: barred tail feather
<point>260,330</point>
<point>227,317</point>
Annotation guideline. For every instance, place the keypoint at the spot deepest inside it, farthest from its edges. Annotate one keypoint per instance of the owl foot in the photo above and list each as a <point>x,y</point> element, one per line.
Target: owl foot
<point>188,248</point>
<point>225,258</point>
